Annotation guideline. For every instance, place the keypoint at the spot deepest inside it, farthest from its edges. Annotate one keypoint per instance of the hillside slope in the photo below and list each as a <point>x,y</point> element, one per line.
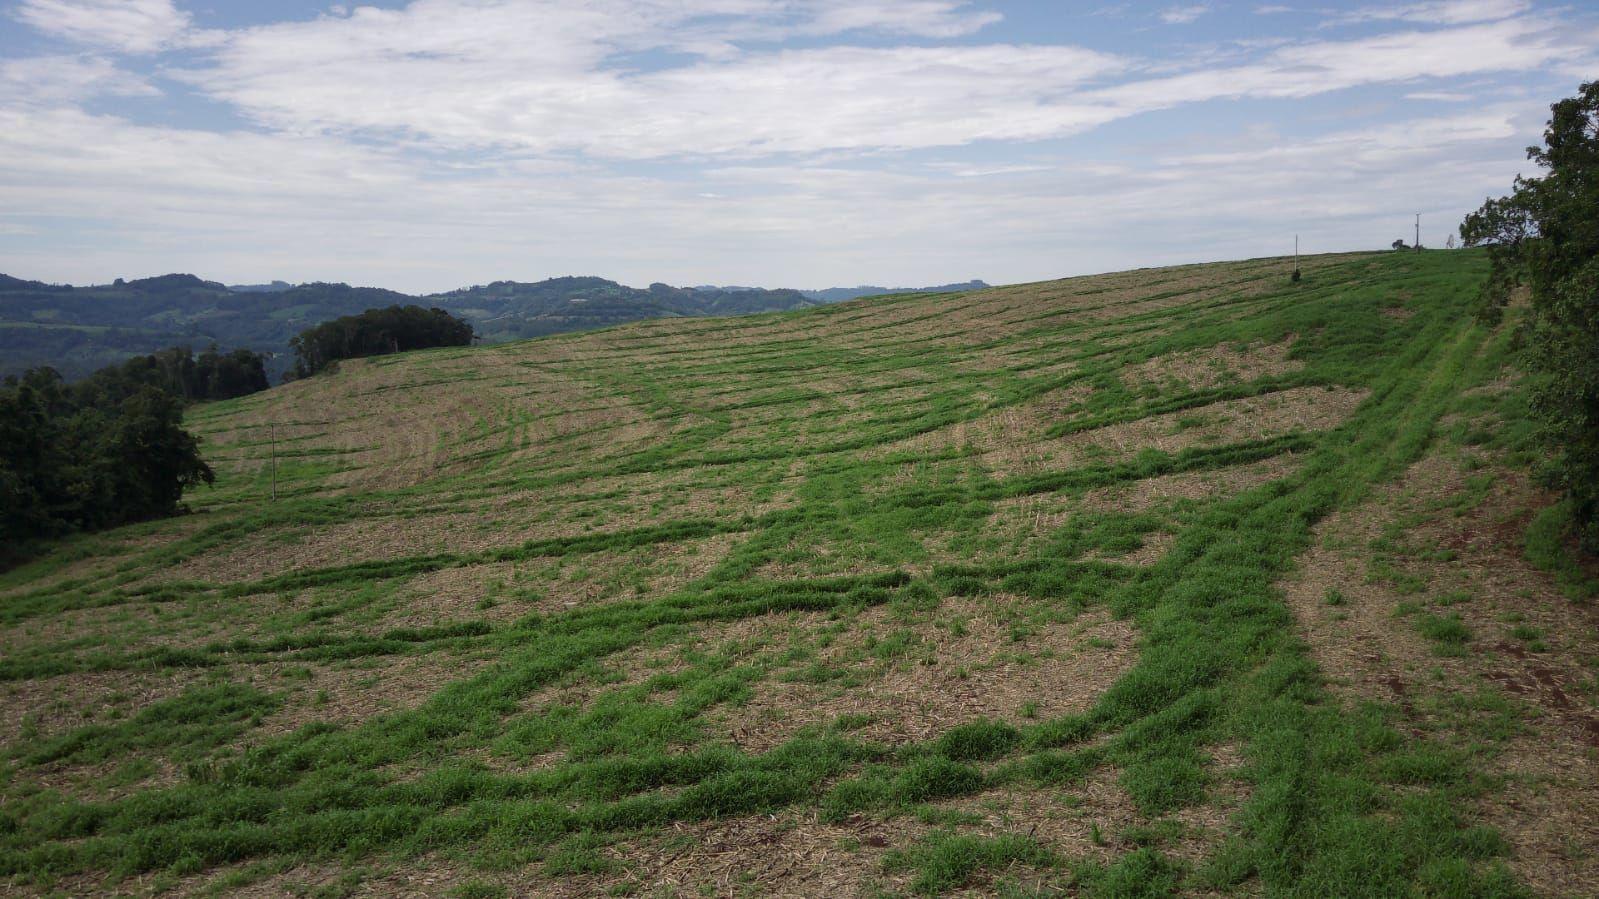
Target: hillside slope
<point>1177,580</point>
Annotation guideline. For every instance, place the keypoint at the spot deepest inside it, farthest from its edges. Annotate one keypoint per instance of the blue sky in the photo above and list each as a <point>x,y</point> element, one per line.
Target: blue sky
<point>429,144</point>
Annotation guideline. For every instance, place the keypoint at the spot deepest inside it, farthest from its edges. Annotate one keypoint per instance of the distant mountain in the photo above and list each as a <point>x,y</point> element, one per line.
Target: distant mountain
<point>80,329</point>
<point>840,294</point>
<point>274,287</point>
<point>506,310</point>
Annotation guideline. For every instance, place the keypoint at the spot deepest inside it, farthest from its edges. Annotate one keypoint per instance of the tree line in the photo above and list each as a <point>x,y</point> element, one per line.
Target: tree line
<point>1544,239</point>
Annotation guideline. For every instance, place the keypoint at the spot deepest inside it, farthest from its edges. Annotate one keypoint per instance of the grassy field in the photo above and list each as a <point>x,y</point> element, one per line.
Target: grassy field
<point>1175,581</point>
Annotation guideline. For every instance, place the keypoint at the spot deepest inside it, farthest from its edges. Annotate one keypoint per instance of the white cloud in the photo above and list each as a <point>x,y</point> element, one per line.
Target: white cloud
<point>1304,70</point>
<point>1359,149</point>
<point>550,79</point>
<point>131,26</point>
<point>1441,12</point>
<point>547,78</point>
<point>923,18</point>
<point>1182,15</point>
<point>244,206</point>
<point>451,141</point>
<point>62,79</point>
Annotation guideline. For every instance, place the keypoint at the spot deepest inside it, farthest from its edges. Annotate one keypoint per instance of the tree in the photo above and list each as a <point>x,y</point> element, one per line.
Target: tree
<point>376,332</point>
<point>153,460</point>
<point>1544,238</point>
<point>103,452</point>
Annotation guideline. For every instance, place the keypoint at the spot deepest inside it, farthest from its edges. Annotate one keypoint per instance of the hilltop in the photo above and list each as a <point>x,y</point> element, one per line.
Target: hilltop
<point>1183,580</point>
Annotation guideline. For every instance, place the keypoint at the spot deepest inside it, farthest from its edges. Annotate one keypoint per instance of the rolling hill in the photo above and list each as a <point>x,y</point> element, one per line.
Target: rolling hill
<point>80,329</point>
<point>1187,580</point>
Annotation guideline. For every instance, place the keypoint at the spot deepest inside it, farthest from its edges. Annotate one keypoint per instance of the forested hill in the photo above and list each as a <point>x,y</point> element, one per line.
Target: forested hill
<point>506,310</point>
<point>80,329</point>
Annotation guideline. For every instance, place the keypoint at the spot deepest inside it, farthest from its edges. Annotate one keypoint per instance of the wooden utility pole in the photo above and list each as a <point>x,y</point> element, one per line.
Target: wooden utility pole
<point>1418,232</point>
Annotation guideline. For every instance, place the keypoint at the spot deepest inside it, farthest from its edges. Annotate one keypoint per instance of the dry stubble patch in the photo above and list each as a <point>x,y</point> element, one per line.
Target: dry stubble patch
<point>372,539</point>
<point>989,670</point>
<point>390,432</point>
<point>1370,649</point>
<point>1151,493</point>
<point>1105,299</point>
<point>1013,431</point>
<point>350,693</point>
<point>1230,421</point>
<point>1012,442</point>
<point>741,641</point>
<point>554,586</point>
<point>119,550</point>
<point>786,855</point>
<point>51,706</point>
<point>1022,524</point>
<point>795,854</point>
<point>148,624</point>
<point>1203,369</point>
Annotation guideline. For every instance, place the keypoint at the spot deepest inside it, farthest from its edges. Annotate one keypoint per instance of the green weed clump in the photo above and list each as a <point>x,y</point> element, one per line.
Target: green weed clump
<point>1447,632</point>
<point>945,861</point>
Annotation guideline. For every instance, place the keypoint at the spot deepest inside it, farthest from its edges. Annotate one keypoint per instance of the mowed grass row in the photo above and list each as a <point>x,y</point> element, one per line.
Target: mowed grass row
<point>491,770</point>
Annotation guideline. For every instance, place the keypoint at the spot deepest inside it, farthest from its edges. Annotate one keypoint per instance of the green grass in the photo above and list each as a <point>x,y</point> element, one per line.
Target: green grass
<point>675,521</point>
<point>946,860</point>
<point>1448,633</point>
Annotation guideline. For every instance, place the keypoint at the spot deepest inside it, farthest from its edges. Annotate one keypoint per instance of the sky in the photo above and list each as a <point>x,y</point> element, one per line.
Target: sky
<point>432,144</point>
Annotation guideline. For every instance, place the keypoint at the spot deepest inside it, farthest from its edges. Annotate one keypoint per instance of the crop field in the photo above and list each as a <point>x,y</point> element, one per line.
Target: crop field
<point>1185,581</point>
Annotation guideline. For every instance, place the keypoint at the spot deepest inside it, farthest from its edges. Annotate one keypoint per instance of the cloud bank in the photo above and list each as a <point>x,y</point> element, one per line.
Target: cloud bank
<point>767,141</point>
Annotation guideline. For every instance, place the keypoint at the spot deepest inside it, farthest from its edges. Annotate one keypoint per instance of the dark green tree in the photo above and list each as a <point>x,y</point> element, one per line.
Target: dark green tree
<point>106,451</point>
<point>376,332</point>
<point>1544,238</point>
<point>147,460</point>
